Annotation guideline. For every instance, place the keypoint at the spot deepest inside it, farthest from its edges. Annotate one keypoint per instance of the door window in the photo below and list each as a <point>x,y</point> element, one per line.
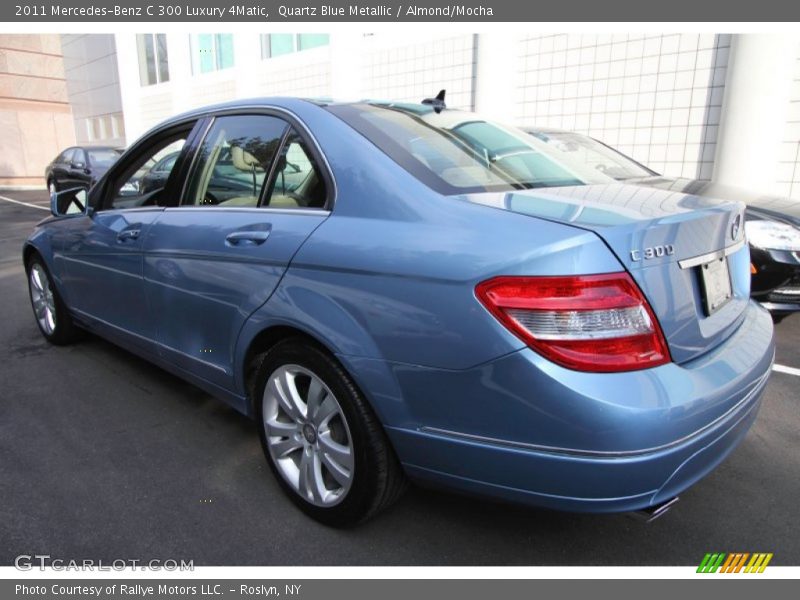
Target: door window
<point>234,160</point>
<point>141,184</point>
<point>298,182</point>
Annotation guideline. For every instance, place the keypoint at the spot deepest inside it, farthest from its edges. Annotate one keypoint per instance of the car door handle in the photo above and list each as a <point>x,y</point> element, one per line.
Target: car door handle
<point>246,238</point>
<point>128,234</point>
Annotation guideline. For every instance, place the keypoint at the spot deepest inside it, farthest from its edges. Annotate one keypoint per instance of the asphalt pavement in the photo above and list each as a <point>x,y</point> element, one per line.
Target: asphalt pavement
<point>105,456</point>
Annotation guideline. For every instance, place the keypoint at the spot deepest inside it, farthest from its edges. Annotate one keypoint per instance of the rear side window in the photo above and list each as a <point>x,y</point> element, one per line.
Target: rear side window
<point>297,181</point>
<point>234,160</point>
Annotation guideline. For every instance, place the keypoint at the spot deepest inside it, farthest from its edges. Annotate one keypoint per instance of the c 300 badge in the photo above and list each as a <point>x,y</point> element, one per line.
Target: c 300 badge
<point>652,252</point>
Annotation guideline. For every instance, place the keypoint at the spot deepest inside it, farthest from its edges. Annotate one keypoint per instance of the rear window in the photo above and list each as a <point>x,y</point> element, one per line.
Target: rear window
<point>456,152</point>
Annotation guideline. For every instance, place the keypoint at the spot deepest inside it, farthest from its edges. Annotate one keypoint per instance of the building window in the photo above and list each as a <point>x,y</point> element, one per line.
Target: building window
<point>153,58</point>
<point>277,44</point>
<point>212,52</point>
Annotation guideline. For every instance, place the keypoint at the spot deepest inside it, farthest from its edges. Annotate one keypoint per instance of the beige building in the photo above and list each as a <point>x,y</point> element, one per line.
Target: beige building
<point>35,116</point>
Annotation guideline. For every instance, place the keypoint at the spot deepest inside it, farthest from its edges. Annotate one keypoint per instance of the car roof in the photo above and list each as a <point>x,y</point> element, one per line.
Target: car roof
<point>289,102</point>
<point>531,129</point>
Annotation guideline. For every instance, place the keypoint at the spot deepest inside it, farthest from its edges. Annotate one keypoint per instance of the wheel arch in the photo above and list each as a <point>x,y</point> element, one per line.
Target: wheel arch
<point>28,251</point>
<point>373,377</point>
<point>261,343</point>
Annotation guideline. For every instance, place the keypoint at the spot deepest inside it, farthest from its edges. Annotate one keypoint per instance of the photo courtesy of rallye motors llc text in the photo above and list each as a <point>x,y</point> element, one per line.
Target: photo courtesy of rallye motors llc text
<point>144,591</point>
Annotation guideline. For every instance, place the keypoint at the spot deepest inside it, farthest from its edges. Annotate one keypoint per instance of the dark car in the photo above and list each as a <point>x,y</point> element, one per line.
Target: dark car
<point>79,167</point>
<point>772,223</point>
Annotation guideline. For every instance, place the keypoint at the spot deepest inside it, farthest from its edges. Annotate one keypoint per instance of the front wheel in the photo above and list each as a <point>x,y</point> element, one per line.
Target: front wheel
<point>321,438</point>
<point>51,314</point>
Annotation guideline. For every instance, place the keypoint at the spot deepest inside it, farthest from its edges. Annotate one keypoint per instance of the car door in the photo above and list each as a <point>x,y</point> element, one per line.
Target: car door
<point>102,255</point>
<point>61,169</point>
<point>211,262</point>
<point>77,170</point>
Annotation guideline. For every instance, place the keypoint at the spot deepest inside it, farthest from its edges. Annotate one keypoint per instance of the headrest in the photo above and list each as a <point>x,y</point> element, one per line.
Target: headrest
<point>243,160</point>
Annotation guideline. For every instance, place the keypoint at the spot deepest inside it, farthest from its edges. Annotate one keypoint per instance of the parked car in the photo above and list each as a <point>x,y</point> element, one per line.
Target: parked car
<point>79,167</point>
<point>412,292</point>
<point>772,223</point>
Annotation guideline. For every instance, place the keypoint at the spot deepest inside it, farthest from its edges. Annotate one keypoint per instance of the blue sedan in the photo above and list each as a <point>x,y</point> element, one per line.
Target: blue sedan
<point>405,292</point>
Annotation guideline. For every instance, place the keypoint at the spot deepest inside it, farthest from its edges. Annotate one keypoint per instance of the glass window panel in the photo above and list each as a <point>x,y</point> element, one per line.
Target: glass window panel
<point>298,182</point>
<point>147,64</point>
<point>306,41</point>
<point>163,59</point>
<point>234,159</point>
<point>142,185</point>
<point>281,43</point>
<point>224,50</point>
<point>205,52</point>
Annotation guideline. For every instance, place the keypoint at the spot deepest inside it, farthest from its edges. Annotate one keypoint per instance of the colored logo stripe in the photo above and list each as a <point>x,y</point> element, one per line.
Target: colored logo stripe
<point>734,562</point>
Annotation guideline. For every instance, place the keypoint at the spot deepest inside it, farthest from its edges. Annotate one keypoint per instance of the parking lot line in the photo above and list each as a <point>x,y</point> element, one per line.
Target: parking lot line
<point>785,369</point>
<point>23,203</point>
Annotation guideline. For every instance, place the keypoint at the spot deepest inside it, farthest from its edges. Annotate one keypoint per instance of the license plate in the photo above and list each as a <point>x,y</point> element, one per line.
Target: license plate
<point>716,284</point>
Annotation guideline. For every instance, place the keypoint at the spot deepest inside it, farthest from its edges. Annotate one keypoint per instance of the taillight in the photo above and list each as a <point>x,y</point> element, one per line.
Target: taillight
<point>584,322</point>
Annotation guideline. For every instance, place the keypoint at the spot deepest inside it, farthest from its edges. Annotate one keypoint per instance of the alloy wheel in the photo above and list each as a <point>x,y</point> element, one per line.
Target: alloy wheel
<point>307,435</point>
<point>44,304</point>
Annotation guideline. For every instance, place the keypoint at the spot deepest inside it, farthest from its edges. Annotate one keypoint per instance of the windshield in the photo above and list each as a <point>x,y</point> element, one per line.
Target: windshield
<point>595,154</point>
<point>103,157</point>
<point>457,152</point>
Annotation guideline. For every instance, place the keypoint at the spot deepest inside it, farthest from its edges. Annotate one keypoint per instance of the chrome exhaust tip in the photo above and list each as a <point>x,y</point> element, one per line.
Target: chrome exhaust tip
<point>651,513</point>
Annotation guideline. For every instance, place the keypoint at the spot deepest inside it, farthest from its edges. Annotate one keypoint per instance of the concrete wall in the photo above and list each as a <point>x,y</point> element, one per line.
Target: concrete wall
<point>789,154</point>
<point>90,65</point>
<point>35,117</point>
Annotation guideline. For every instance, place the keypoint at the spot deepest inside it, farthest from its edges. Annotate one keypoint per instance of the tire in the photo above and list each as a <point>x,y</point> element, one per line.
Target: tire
<point>49,310</point>
<point>335,463</point>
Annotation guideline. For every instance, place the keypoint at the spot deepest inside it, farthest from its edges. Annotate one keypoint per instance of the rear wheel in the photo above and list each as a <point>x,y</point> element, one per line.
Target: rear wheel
<point>51,314</point>
<point>321,438</point>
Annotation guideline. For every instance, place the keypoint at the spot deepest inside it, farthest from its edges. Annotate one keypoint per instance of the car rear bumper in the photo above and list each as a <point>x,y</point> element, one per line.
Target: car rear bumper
<point>631,441</point>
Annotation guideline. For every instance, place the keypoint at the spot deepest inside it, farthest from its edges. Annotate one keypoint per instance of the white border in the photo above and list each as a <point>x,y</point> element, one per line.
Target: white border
<point>279,26</point>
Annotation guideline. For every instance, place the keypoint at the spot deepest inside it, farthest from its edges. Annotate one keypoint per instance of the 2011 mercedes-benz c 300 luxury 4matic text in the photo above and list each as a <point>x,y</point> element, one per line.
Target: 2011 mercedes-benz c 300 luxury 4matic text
<point>404,291</point>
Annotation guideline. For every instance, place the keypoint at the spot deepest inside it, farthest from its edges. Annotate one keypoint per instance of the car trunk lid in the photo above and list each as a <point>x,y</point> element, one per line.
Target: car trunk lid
<point>686,253</point>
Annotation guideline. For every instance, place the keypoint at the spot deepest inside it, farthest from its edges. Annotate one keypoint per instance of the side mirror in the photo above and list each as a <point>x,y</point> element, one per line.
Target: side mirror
<point>69,202</point>
<point>78,165</point>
